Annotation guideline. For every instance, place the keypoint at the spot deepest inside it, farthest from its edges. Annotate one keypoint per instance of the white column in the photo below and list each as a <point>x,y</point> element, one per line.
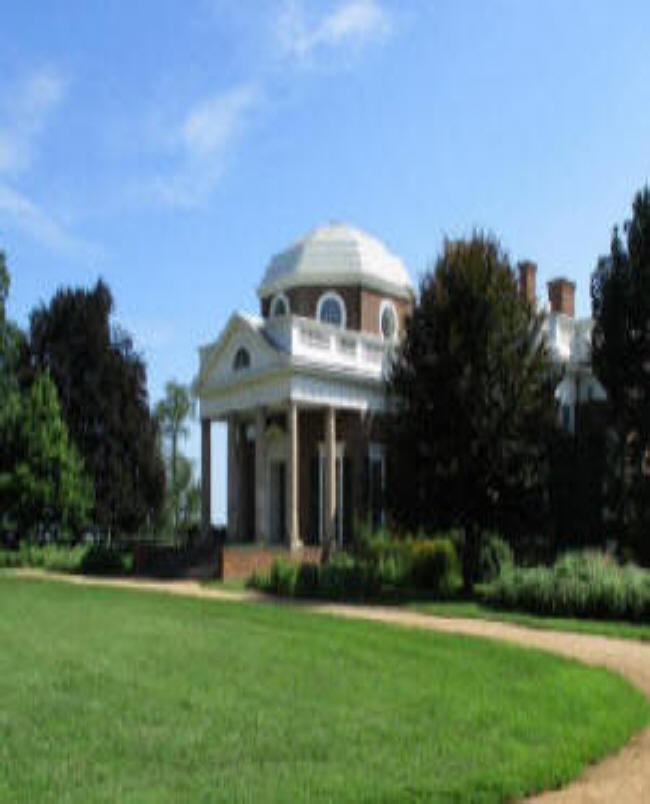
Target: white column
<point>260,477</point>
<point>293,533</point>
<point>233,480</point>
<point>206,470</point>
<point>330,482</point>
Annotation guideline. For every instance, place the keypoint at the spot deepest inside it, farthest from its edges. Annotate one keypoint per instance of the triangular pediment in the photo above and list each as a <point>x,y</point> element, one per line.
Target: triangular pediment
<point>218,360</point>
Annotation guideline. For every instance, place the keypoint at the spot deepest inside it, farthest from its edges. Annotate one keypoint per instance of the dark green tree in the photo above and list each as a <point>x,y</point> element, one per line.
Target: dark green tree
<point>101,382</point>
<point>620,296</point>
<point>473,385</point>
<point>43,486</point>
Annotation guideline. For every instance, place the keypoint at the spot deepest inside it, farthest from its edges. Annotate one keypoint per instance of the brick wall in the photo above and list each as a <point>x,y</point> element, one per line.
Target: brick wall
<point>361,305</point>
<point>241,560</point>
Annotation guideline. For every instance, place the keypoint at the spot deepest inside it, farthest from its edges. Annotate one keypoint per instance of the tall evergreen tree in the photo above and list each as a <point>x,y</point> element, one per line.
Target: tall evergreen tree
<point>42,480</point>
<point>101,382</point>
<point>473,387</point>
<point>620,294</point>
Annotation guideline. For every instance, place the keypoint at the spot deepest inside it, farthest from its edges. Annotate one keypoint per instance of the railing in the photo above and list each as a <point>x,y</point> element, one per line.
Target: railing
<point>324,343</point>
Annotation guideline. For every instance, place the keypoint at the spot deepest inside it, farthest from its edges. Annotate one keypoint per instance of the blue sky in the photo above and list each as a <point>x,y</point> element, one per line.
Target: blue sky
<point>173,147</point>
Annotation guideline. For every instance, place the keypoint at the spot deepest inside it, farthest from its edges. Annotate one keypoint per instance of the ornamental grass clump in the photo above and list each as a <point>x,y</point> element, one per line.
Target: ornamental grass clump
<point>582,584</point>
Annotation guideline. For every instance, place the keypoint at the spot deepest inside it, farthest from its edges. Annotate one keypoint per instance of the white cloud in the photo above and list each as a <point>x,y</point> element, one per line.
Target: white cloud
<point>198,148</point>
<point>21,213</point>
<point>352,24</point>
<point>24,112</point>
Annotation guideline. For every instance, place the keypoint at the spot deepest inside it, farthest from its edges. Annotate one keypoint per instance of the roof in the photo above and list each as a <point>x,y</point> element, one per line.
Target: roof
<point>337,254</point>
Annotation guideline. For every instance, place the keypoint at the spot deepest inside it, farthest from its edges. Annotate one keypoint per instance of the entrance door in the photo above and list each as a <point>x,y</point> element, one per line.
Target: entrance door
<point>277,501</point>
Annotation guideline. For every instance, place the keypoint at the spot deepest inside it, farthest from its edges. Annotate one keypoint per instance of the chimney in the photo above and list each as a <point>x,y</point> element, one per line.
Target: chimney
<point>561,296</point>
<point>527,271</point>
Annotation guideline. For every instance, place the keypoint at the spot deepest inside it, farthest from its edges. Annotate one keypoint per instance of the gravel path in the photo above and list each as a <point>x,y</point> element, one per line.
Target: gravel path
<point>620,778</point>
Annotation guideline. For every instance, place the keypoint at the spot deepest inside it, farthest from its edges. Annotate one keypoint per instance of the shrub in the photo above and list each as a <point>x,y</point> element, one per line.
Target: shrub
<point>434,565</point>
<point>307,580</point>
<point>54,557</point>
<point>583,584</point>
<point>496,555</point>
<point>282,577</point>
<point>101,560</point>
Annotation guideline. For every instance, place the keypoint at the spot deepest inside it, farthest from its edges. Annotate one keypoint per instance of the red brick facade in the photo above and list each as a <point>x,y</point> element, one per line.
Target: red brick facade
<point>240,561</point>
<point>361,305</point>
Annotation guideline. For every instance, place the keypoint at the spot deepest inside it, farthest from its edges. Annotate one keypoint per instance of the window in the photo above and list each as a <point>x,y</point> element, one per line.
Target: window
<point>331,309</point>
<point>242,359</point>
<point>279,306</point>
<point>388,320</point>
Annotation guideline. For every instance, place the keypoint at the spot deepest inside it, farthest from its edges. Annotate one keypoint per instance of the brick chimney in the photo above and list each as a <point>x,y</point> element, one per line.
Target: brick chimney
<point>527,271</point>
<point>561,296</point>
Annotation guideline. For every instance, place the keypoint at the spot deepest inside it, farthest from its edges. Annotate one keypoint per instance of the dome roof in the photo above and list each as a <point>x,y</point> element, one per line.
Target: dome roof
<point>337,254</point>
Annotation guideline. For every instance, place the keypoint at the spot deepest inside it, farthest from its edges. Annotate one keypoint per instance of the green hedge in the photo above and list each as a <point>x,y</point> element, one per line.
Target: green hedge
<point>382,567</point>
<point>583,584</point>
<point>89,559</point>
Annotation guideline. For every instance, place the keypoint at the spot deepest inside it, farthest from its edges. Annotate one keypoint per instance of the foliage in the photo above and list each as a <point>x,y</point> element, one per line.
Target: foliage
<point>53,557</point>
<point>620,294</point>
<point>581,584</point>
<point>101,382</point>
<point>235,693</point>
<point>496,556</point>
<point>473,383</point>
<point>88,559</point>
<point>43,486</point>
<point>99,559</point>
<point>434,566</point>
<point>382,566</point>
<point>172,413</point>
<point>341,578</point>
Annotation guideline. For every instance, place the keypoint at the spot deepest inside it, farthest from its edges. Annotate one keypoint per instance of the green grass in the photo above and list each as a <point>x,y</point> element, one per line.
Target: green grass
<point>474,610</point>
<point>118,695</point>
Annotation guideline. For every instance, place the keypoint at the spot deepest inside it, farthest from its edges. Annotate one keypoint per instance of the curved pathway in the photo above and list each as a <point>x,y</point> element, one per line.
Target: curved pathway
<point>622,777</point>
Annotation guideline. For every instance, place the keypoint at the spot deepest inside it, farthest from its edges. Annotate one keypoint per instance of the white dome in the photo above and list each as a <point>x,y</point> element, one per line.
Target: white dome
<point>337,254</point>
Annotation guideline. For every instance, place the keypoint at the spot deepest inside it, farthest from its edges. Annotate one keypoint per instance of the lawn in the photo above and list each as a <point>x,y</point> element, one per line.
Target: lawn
<point>474,610</point>
<point>110,694</point>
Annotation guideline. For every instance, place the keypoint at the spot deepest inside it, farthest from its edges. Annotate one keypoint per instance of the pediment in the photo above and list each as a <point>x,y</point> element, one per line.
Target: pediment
<point>218,361</point>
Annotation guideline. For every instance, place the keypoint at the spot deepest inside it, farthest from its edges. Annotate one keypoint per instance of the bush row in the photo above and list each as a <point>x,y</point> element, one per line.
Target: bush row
<point>87,559</point>
<point>582,584</point>
<point>428,566</point>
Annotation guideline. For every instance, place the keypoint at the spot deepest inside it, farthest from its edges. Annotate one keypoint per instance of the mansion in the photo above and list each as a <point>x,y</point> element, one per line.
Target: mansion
<point>301,386</point>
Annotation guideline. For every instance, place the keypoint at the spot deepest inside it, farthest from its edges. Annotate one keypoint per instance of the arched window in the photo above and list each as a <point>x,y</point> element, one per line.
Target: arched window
<point>388,320</point>
<point>242,359</point>
<point>279,305</point>
<point>331,309</point>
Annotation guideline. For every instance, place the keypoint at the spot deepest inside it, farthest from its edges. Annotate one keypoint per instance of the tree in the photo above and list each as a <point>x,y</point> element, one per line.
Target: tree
<point>101,382</point>
<point>42,480</point>
<point>172,413</point>
<point>620,296</point>
<point>474,393</point>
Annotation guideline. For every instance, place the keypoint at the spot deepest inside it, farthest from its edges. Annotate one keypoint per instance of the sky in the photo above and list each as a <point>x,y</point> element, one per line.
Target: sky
<point>172,148</point>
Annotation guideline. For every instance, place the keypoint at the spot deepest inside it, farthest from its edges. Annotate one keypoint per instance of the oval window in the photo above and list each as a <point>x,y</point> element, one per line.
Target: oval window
<point>388,320</point>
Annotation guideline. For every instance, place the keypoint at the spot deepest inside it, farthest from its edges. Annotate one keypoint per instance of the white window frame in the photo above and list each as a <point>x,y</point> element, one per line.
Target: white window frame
<point>386,304</point>
<point>277,298</point>
<point>332,294</point>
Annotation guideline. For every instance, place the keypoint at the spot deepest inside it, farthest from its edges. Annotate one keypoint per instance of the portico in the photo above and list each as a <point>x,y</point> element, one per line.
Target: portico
<point>303,395</point>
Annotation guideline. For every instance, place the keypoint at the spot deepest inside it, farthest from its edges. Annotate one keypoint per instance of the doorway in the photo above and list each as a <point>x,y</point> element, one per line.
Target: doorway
<point>277,501</point>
